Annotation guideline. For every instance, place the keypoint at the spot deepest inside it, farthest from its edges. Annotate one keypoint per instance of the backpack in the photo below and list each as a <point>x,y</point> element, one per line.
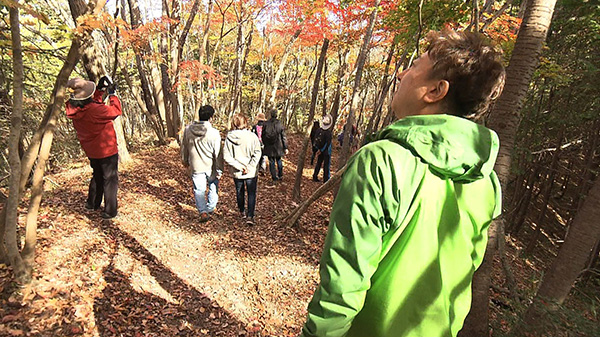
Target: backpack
<point>320,139</point>
<point>258,130</point>
<point>269,133</point>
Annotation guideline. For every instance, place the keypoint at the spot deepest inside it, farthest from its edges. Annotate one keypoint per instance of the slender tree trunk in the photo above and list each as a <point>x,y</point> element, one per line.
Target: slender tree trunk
<point>360,63</point>
<point>203,48</point>
<point>335,107</point>
<point>504,120</point>
<point>521,212</point>
<point>311,114</point>
<point>51,114</point>
<point>384,87</point>
<point>147,93</point>
<point>9,234</point>
<point>548,184</point>
<point>571,259</point>
<point>284,57</point>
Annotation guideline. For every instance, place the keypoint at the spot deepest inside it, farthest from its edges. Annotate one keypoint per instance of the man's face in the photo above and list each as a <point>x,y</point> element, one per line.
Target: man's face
<point>413,85</point>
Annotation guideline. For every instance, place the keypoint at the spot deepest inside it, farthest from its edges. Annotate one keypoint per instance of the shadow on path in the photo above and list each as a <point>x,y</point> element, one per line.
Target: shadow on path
<point>124,311</point>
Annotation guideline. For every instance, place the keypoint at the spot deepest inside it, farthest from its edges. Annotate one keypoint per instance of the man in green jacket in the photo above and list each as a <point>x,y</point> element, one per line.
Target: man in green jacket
<point>409,225</point>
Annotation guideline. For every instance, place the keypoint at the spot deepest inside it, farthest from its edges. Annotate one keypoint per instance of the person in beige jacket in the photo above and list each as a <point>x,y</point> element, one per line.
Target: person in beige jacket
<point>242,152</point>
<point>201,153</point>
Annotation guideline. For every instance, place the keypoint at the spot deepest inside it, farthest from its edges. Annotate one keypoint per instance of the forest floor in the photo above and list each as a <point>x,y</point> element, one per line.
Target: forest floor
<point>158,271</point>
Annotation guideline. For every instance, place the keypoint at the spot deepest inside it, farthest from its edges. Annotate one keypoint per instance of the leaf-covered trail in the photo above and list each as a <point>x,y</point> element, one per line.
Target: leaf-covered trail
<point>156,270</point>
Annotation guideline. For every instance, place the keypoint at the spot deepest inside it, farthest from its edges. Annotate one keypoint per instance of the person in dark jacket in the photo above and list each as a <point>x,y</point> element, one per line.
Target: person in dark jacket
<point>313,133</point>
<point>201,152</point>
<point>275,144</point>
<point>257,129</point>
<point>92,120</point>
<point>322,142</point>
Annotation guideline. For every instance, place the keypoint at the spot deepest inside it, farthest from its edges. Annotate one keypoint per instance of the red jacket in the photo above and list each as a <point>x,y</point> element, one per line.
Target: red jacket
<point>94,126</point>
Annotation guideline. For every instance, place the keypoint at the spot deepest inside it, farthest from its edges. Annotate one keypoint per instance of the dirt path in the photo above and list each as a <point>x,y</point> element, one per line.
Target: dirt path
<point>158,271</point>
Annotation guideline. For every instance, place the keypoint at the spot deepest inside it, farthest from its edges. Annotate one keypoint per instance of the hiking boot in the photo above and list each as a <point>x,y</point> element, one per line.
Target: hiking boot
<point>107,216</point>
<point>204,217</point>
<point>250,221</point>
<point>316,179</point>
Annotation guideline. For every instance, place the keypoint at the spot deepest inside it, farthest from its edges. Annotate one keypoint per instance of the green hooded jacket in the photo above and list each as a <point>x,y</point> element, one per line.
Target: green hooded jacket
<point>407,231</point>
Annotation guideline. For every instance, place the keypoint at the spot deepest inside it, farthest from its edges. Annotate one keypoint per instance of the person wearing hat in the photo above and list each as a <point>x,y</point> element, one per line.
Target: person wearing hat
<point>92,119</point>
<point>322,143</point>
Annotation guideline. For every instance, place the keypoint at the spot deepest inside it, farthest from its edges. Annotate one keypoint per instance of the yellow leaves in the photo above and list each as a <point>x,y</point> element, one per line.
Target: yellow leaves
<point>27,8</point>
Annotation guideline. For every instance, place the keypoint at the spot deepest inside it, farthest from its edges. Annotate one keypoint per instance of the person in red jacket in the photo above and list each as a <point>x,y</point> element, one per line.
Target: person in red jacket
<point>92,120</point>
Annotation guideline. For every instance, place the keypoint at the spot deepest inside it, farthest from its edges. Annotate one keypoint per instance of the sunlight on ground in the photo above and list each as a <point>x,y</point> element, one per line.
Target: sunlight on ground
<point>206,262</point>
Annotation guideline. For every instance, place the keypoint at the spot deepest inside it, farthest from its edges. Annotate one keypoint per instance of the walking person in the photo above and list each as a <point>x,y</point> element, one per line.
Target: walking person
<point>92,120</point>
<point>201,153</point>
<point>322,142</point>
<point>408,227</point>
<point>275,142</point>
<point>242,152</point>
<point>257,129</point>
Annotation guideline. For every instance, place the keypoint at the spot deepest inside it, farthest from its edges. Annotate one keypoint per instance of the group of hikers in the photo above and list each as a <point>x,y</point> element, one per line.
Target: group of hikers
<point>244,150</point>
<point>408,227</point>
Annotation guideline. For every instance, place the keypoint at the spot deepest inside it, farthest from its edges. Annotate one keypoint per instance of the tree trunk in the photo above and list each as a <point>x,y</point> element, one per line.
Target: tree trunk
<point>335,107</point>
<point>292,218</point>
<point>572,256</point>
<point>9,234</point>
<point>284,57</point>
<point>53,108</point>
<point>505,120</point>
<point>360,63</point>
<point>203,48</point>
<point>521,212</point>
<point>548,184</point>
<point>147,93</point>
<point>311,114</point>
<point>384,87</point>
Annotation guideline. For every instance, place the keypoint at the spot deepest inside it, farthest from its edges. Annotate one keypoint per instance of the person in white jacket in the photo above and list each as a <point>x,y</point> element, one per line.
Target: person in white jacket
<point>242,152</point>
<point>201,152</point>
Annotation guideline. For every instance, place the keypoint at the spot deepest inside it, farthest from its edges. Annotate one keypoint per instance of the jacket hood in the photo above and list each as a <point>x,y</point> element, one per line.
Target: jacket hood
<point>236,136</point>
<point>199,129</point>
<point>454,147</point>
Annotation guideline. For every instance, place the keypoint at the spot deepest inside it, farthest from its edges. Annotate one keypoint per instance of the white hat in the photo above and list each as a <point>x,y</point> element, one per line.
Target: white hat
<point>82,89</point>
<point>326,122</point>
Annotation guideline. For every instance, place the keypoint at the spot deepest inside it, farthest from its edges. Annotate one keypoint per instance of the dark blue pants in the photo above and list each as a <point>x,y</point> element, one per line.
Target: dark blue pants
<point>276,174</point>
<point>241,186</point>
<point>104,183</point>
<point>325,160</point>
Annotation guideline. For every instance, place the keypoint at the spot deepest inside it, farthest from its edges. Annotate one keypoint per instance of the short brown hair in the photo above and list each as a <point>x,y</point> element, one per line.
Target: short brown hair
<point>473,67</point>
<point>239,122</point>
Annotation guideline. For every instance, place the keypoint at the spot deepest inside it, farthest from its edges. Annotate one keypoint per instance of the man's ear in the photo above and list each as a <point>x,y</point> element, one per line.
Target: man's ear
<point>437,91</point>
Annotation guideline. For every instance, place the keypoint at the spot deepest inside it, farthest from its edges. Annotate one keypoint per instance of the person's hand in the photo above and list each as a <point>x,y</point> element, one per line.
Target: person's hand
<point>104,83</point>
<point>286,151</point>
<point>245,170</point>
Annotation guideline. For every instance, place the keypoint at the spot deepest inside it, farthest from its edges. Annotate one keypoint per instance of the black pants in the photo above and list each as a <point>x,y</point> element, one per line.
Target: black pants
<point>314,153</point>
<point>105,182</point>
<point>241,186</point>
<point>325,160</point>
